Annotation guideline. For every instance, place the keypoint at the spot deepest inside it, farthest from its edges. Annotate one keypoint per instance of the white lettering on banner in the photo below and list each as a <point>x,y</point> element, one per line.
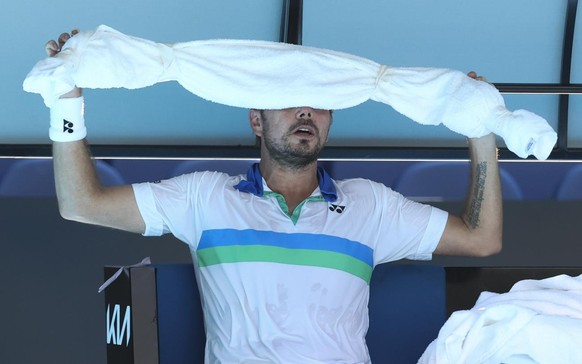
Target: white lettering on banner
<point>116,331</point>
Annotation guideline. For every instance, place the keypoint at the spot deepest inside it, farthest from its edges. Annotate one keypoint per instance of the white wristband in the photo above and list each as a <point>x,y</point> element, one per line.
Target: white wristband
<point>67,121</point>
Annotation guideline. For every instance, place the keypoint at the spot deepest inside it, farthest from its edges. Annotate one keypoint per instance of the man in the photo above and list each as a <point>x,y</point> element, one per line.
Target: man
<point>283,273</point>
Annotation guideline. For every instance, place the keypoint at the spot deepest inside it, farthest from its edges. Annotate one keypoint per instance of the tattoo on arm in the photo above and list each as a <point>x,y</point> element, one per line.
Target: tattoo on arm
<point>474,213</point>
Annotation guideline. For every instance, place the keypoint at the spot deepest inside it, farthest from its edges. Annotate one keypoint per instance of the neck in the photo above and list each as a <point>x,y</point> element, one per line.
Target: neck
<point>294,184</point>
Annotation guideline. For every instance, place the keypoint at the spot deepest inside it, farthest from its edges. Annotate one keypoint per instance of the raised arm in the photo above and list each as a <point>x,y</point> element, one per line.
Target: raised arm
<point>80,194</point>
<point>478,231</point>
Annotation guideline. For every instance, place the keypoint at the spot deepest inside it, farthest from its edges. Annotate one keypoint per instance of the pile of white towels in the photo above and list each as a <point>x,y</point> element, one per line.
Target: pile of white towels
<point>537,321</point>
<point>270,75</point>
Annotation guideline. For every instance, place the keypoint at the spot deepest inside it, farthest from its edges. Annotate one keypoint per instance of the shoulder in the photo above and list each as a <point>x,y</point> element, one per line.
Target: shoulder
<point>362,187</point>
<point>206,177</point>
<point>369,193</point>
<point>194,182</point>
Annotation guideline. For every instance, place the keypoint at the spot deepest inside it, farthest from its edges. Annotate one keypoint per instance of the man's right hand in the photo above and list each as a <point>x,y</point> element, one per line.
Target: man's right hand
<point>53,48</point>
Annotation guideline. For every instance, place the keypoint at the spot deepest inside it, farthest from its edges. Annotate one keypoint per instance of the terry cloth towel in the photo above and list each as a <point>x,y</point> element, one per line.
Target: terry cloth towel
<point>269,75</point>
<point>537,321</point>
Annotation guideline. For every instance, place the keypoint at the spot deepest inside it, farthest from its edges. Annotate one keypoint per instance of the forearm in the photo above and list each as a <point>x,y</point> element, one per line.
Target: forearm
<point>483,215</point>
<point>76,181</point>
<point>81,196</point>
<point>478,231</point>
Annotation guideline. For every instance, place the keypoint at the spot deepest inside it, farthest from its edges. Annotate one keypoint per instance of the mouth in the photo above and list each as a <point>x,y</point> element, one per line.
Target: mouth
<point>304,130</point>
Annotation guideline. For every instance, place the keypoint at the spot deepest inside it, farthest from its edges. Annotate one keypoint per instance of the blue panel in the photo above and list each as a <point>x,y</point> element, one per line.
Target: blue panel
<point>576,75</point>
<point>180,322</point>
<point>575,122</point>
<point>162,114</point>
<point>407,309</point>
<point>506,41</point>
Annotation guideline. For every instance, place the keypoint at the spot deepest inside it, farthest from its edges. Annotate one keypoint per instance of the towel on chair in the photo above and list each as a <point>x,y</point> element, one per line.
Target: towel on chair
<point>269,75</point>
<point>537,321</point>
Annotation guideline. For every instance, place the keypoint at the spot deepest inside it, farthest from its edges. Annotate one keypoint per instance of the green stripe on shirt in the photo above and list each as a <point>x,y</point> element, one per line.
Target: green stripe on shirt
<point>274,254</point>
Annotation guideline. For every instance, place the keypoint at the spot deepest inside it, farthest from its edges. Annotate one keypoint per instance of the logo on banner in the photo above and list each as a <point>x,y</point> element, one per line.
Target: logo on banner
<point>116,329</point>
<point>68,126</point>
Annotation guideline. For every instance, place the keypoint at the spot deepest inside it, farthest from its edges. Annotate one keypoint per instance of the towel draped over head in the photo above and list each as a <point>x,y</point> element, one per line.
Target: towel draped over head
<point>270,75</point>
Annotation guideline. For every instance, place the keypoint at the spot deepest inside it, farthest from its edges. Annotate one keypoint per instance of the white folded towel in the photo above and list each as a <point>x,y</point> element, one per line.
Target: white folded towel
<point>537,321</point>
<point>269,75</point>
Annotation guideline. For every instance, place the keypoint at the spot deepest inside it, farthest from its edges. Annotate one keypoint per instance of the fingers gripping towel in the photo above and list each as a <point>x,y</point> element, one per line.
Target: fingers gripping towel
<point>269,75</point>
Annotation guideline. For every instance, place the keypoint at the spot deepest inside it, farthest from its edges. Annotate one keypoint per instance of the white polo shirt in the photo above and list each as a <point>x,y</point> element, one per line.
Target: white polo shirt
<point>287,289</point>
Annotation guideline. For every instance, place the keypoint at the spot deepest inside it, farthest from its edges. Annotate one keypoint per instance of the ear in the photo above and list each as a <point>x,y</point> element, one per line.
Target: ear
<point>256,122</point>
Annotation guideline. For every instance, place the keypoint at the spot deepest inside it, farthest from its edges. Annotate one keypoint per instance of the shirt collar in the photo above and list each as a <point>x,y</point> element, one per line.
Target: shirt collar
<point>254,183</point>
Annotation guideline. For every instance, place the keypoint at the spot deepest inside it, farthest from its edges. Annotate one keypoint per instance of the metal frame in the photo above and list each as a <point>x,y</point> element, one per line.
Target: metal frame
<point>564,101</point>
<point>291,32</point>
<point>540,88</point>
<point>251,152</point>
<point>292,22</point>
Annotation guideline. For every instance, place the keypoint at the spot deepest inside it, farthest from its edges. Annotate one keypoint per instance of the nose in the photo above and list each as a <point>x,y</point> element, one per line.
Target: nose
<point>304,113</point>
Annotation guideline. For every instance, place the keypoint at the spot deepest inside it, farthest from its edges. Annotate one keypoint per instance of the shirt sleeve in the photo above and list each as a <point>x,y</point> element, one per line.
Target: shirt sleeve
<point>147,207</point>
<point>406,229</point>
<point>177,205</point>
<point>433,233</point>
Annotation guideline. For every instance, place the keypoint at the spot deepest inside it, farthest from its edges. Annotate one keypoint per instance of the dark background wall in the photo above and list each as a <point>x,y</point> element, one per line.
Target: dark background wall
<point>51,270</point>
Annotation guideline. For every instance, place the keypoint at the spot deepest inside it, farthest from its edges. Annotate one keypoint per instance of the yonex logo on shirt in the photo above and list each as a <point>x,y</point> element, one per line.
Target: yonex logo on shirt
<point>68,126</point>
<point>337,208</point>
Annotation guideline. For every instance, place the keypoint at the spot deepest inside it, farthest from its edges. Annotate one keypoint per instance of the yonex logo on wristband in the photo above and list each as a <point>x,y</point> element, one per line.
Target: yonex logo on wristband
<point>68,126</point>
<point>67,122</point>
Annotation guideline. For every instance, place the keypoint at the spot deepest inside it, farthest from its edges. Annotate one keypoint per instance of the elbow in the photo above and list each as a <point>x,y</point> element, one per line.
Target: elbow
<point>488,252</point>
<point>497,248</point>
<point>489,248</point>
<point>71,212</point>
<point>68,213</point>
